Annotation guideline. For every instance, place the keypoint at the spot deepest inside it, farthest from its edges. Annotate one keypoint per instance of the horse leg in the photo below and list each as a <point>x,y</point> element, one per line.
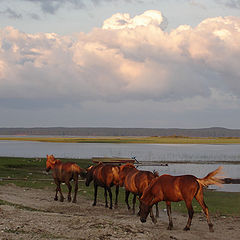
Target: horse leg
<point>126,199</point>
<point>134,202</point>
<point>69,190</point>
<point>95,194</point>
<point>190,214</point>
<point>56,197</point>
<point>58,189</point>
<point>199,198</point>
<point>154,220</point>
<point>116,199</point>
<point>169,213</point>
<point>75,190</point>
<point>157,211</point>
<point>61,195</point>
<point>110,196</point>
<point>105,195</point>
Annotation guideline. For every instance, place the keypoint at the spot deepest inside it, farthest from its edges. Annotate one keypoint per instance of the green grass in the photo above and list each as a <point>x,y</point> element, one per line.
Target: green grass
<point>33,170</point>
<point>159,140</point>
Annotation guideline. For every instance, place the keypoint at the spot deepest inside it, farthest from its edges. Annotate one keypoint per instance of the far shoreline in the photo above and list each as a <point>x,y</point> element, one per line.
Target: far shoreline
<point>126,139</point>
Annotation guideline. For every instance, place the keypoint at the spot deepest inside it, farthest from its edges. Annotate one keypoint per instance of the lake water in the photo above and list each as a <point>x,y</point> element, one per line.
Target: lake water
<point>201,158</point>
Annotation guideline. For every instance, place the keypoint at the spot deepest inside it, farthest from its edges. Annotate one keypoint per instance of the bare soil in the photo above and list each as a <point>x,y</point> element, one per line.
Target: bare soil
<point>34,214</point>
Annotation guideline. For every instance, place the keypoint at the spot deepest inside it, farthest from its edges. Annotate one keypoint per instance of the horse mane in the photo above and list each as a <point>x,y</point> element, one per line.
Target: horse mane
<point>128,165</point>
<point>155,173</point>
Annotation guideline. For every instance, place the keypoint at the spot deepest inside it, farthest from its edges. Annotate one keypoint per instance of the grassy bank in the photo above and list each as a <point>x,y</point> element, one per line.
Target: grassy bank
<point>29,172</point>
<point>159,140</point>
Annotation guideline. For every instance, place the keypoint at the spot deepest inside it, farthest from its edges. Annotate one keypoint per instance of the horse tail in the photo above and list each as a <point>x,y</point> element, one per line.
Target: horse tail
<point>77,169</point>
<point>210,179</point>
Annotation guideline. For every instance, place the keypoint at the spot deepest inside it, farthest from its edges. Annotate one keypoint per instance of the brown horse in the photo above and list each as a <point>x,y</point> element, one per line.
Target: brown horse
<point>177,188</point>
<point>64,172</point>
<point>135,182</point>
<point>104,176</point>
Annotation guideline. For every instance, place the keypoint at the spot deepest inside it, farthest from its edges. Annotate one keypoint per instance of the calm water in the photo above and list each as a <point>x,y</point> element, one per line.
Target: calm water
<point>208,155</point>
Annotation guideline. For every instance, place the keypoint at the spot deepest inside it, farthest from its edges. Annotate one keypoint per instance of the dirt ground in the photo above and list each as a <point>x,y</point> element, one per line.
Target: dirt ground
<point>35,215</point>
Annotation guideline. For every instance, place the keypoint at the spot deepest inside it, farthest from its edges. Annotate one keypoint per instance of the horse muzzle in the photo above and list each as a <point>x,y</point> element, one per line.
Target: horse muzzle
<point>48,169</point>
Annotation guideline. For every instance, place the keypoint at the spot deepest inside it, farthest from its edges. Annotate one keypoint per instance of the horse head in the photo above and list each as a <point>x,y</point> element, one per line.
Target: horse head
<point>89,175</point>
<point>51,161</point>
<point>144,211</point>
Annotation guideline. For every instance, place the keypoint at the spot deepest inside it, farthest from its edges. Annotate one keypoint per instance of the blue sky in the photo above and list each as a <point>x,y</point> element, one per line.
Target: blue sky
<point>118,63</point>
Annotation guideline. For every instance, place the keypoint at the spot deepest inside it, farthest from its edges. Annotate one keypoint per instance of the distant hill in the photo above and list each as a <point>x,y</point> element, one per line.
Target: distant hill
<point>82,131</point>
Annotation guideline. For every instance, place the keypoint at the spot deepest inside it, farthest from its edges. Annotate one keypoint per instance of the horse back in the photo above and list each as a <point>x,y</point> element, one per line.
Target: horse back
<point>138,181</point>
<point>175,188</point>
<point>65,170</point>
<point>106,175</point>
<point>126,174</point>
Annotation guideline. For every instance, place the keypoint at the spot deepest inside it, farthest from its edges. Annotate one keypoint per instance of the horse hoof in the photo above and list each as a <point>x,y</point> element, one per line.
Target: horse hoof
<point>62,199</point>
<point>55,199</point>
<point>211,230</point>
<point>94,204</point>
<point>186,229</point>
<point>211,227</point>
<point>154,221</point>
<point>74,201</point>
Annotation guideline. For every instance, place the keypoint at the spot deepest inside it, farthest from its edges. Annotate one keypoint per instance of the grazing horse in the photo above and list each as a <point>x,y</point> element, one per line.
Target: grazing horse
<point>104,176</point>
<point>64,172</point>
<point>135,182</point>
<point>178,188</point>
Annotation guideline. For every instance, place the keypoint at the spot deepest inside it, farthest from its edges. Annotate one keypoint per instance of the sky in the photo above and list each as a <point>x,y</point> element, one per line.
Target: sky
<point>120,63</point>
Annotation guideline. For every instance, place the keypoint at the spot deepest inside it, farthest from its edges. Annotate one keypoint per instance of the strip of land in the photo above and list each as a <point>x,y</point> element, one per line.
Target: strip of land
<point>140,140</point>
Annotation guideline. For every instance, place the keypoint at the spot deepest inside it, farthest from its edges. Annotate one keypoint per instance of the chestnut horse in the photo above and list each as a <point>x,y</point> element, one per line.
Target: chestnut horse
<point>135,182</point>
<point>64,172</point>
<point>104,176</point>
<point>178,188</point>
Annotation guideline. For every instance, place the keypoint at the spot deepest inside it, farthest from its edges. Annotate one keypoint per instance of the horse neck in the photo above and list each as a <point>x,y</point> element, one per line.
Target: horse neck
<point>147,196</point>
<point>58,161</point>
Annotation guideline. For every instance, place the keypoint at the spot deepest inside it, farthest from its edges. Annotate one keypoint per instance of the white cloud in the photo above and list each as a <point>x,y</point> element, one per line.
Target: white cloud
<point>123,20</point>
<point>127,59</point>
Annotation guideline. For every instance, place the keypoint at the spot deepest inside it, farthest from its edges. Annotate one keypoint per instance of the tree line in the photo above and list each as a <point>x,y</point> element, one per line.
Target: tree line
<point>104,131</point>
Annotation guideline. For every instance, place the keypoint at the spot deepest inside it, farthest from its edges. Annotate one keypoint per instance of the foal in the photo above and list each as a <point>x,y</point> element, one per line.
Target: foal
<point>135,182</point>
<point>104,176</point>
<point>177,188</point>
<point>64,172</point>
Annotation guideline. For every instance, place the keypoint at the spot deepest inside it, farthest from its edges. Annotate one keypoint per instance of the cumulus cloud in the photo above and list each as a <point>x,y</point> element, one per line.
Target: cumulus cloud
<point>121,21</point>
<point>127,59</point>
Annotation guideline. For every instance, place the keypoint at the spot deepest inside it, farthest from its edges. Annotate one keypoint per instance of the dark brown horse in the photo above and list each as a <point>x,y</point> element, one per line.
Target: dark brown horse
<point>178,188</point>
<point>64,172</point>
<point>135,182</point>
<point>104,176</point>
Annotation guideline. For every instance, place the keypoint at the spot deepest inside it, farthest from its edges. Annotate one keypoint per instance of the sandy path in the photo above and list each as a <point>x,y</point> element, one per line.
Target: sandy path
<point>43,218</point>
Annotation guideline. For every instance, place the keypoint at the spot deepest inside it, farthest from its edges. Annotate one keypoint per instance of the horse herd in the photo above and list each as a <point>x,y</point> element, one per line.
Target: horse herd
<point>148,186</point>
